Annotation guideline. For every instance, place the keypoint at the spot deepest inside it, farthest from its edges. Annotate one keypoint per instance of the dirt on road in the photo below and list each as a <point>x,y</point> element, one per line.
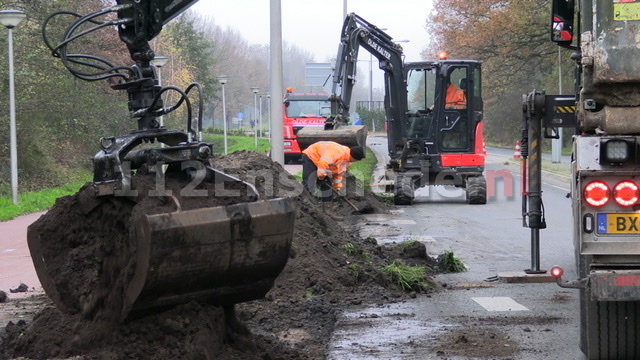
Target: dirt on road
<point>329,269</point>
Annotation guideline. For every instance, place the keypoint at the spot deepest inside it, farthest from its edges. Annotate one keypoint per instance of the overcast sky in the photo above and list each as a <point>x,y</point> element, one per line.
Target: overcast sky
<point>315,25</point>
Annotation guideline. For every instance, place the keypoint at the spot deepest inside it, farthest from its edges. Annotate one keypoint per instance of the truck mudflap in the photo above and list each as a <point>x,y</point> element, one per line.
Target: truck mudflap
<point>615,285</point>
<point>605,285</point>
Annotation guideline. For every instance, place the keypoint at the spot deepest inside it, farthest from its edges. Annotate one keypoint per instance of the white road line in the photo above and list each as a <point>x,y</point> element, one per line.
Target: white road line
<point>404,222</point>
<point>499,303</point>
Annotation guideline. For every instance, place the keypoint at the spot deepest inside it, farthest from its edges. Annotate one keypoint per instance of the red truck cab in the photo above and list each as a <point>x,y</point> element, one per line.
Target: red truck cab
<point>301,110</point>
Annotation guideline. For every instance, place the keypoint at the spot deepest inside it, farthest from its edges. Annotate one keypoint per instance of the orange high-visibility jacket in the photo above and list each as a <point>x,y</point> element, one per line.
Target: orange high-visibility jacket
<point>455,98</point>
<point>332,160</point>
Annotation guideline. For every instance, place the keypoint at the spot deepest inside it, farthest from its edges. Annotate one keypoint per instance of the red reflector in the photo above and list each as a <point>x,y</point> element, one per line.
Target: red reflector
<point>557,271</point>
<point>627,280</point>
<point>626,193</point>
<point>596,193</point>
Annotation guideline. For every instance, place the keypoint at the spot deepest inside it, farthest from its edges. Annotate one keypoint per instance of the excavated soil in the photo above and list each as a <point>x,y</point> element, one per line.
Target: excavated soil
<point>329,268</point>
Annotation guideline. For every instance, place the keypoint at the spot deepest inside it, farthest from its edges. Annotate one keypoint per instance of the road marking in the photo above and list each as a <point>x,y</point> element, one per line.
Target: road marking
<point>404,222</point>
<point>499,303</point>
<point>396,212</point>
<point>8,250</point>
<point>426,238</point>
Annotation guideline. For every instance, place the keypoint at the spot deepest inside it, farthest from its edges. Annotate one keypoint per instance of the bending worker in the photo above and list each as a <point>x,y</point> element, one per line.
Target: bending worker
<point>324,165</point>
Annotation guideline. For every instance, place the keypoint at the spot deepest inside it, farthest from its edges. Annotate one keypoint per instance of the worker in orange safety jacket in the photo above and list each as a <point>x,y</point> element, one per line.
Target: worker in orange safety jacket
<point>323,166</point>
<point>455,98</point>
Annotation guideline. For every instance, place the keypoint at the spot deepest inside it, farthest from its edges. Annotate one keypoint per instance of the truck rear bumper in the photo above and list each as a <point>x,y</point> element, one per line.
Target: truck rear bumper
<point>608,285</point>
<point>615,285</point>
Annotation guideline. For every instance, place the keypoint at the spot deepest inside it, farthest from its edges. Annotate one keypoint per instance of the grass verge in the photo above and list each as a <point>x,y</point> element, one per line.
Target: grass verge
<point>34,201</point>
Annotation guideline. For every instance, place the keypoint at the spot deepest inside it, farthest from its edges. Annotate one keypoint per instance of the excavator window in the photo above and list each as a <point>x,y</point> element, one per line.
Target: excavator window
<point>421,85</point>
<point>454,123</point>
<point>308,108</point>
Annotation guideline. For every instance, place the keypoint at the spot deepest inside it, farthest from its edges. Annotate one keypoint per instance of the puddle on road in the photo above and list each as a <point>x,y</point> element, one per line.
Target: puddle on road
<point>381,227</point>
<point>390,332</point>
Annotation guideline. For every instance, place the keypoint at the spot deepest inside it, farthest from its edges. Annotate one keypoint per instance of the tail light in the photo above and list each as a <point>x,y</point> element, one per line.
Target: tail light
<point>597,193</point>
<point>625,193</point>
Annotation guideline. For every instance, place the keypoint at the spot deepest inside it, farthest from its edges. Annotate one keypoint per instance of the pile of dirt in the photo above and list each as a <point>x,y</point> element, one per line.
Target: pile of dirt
<point>329,268</point>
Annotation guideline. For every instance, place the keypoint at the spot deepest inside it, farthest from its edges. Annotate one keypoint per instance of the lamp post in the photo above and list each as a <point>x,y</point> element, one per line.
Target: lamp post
<point>260,115</point>
<point>11,19</point>
<point>222,79</point>
<point>159,62</point>
<point>255,89</point>
<point>269,112</point>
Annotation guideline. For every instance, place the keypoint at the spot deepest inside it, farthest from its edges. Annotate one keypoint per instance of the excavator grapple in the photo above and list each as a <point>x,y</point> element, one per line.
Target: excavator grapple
<point>160,257</point>
<point>158,226</point>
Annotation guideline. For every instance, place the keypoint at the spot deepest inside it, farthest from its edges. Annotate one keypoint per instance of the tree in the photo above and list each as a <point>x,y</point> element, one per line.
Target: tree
<point>512,40</point>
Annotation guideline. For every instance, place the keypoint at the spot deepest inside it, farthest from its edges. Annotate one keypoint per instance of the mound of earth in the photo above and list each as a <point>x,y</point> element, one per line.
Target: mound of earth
<point>329,268</point>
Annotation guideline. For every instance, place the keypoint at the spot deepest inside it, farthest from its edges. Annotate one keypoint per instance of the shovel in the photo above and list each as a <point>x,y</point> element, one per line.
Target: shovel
<point>368,209</point>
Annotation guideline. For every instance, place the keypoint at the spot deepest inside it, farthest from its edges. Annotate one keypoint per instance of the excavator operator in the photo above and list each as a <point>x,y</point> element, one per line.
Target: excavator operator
<point>455,97</point>
<point>324,164</point>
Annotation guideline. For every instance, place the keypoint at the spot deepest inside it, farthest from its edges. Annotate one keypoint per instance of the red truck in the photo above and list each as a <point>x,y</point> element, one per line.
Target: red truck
<point>302,110</point>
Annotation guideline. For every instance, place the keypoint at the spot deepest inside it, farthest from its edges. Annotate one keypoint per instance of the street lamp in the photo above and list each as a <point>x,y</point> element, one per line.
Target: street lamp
<point>11,19</point>
<point>260,115</point>
<point>222,79</point>
<point>255,89</point>
<point>269,112</point>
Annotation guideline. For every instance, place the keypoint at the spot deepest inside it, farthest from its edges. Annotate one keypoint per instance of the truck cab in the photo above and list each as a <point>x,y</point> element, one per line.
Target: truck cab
<point>302,110</point>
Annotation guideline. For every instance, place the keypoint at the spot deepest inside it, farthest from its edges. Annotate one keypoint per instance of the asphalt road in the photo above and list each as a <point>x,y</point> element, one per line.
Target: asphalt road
<point>473,316</point>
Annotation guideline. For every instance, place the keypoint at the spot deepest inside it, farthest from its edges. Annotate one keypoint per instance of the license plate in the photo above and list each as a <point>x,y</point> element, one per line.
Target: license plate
<point>619,223</point>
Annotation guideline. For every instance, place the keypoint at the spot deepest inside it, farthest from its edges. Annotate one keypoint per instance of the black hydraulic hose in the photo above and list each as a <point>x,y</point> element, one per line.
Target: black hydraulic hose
<point>183,98</point>
<point>68,59</point>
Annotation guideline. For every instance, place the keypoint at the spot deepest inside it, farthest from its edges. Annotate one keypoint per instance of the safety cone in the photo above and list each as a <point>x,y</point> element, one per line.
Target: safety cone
<point>516,152</point>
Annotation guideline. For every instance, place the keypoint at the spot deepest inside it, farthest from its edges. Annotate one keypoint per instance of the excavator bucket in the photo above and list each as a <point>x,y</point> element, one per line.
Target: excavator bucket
<point>350,135</point>
<point>118,257</point>
<point>226,254</point>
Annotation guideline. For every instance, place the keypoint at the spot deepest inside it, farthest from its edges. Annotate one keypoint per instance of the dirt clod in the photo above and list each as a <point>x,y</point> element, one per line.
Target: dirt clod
<point>21,288</point>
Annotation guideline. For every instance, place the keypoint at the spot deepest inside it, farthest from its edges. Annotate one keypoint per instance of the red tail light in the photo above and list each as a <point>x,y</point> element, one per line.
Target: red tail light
<point>596,193</point>
<point>626,193</point>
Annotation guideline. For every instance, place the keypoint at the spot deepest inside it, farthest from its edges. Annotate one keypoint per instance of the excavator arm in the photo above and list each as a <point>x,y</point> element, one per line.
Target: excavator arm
<point>145,19</point>
<point>356,33</point>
